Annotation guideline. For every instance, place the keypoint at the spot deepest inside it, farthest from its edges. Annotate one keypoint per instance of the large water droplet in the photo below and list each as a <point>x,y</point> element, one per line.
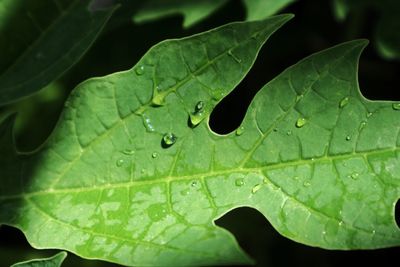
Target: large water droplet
<point>301,122</point>
<point>343,102</point>
<point>396,106</point>
<point>128,152</point>
<point>119,162</point>
<point>256,188</point>
<point>231,54</point>
<point>240,131</point>
<point>239,182</point>
<point>158,98</point>
<point>169,139</point>
<point>139,70</point>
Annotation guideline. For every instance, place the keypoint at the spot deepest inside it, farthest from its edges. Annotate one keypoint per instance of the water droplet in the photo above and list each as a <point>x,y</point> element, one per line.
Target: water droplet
<point>143,171</point>
<point>343,102</point>
<point>307,184</point>
<point>194,184</point>
<point>348,138</point>
<point>354,175</point>
<point>373,232</point>
<point>147,123</point>
<point>300,122</point>
<point>239,182</point>
<point>169,139</point>
<point>256,188</point>
<point>369,114</point>
<point>299,97</point>
<point>240,131</point>
<point>362,125</point>
<point>217,94</point>
<point>230,53</point>
<point>119,162</point>
<point>154,155</point>
<point>139,70</point>
<point>296,178</point>
<point>340,223</point>
<point>156,212</point>
<point>266,180</point>
<point>199,106</point>
<point>128,152</point>
<point>324,232</point>
<point>396,106</point>
<point>289,132</point>
<point>158,98</point>
<point>185,192</point>
<point>275,129</point>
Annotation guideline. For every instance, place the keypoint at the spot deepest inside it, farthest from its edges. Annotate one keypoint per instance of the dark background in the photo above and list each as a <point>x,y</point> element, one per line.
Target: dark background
<point>122,44</point>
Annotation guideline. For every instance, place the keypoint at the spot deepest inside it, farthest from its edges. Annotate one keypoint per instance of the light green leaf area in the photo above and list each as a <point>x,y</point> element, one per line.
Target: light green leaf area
<point>54,261</point>
<point>40,40</point>
<point>387,34</point>
<point>261,9</point>
<point>133,174</point>
<point>193,11</point>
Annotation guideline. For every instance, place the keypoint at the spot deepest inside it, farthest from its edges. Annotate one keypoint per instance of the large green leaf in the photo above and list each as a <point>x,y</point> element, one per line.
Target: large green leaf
<point>194,11</point>
<point>40,40</point>
<point>133,174</point>
<point>387,28</point>
<point>54,261</point>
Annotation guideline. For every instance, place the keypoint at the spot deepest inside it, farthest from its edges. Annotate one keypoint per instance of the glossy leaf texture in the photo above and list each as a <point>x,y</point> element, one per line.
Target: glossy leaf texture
<point>387,33</point>
<point>194,11</point>
<point>40,40</point>
<point>116,179</point>
<point>54,261</point>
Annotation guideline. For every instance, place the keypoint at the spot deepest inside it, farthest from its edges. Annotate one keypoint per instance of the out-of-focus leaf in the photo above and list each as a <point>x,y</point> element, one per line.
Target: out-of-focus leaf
<point>40,40</point>
<point>261,9</point>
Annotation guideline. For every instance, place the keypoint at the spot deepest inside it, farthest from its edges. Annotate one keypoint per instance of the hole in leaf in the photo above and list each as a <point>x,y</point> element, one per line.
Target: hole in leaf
<point>397,213</point>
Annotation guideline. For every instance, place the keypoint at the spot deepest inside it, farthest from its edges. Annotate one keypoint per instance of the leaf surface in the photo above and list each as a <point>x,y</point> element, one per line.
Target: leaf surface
<point>54,261</point>
<point>40,40</point>
<point>133,174</point>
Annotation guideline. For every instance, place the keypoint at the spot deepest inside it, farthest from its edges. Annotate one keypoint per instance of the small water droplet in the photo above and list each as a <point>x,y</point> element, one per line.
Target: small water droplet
<point>217,94</point>
<point>199,106</point>
<point>275,129</point>
<point>296,178</point>
<point>289,132</point>
<point>348,138</point>
<point>299,97</point>
<point>266,180</point>
<point>147,123</point>
<point>119,162</point>
<point>307,184</point>
<point>185,192</point>
<point>324,232</point>
<point>300,122</point>
<point>199,114</point>
<point>373,232</point>
<point>240,130</point>
<point>396,106</point>
<point>256,188</point>
<point>139,70</point>
<point>194,184</point>
<point>369,114</point>
<point>128,152</point>
<point>154,155</point>
<point>230,53</point>
<point>169,139</point>
<point>355,175</point>
<point>343,102</point>
<point>239,182</point>
<point>362,125</point>
<point>340,223</point>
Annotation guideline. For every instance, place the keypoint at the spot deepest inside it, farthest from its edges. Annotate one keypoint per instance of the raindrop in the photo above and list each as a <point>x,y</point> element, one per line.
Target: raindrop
<point>185,192</point>
<point>275,129</point>
<point>147,123</point>
<point>343,102</point>
<point>239,182</point>
<point>348,138</point>
<point>217,94</point>
<point>154,155</point>
<point>139,70</point>
<point>198,115</point>
<point>199,106</point>
<point>307,183</point>
<point>299,97</point>
<point>193,184</point>
<point>289,132</point>
<point>300,122</point>
<point>373,232</point>
<point>230,53</point>
<point>324,232</point>
<point>369,114</point>
<point>240,131</point>
<point>340,223</point>
<point>256,188</point>
<point>169,139</point>
<point>128,152</point>
<point>354,175</point>
<point>396,106</point>
<point>362,125</point>
<point>119,162</point>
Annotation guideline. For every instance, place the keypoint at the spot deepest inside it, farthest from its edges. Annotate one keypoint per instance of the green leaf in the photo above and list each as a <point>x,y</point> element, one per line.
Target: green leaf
<point>54,261</point>
<point>40,40</point>
<point>133,174</point>
<point>261,9</point>
<point>193,11</point>
<point>387,34</point>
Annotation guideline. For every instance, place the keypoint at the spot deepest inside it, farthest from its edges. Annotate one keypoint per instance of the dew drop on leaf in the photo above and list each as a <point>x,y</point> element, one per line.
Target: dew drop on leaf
<point>343,102</point>
<point>354,175</point>
<point>139,70</point>
<point>169,139</point>
<point>307,184</point>
<point>128,152</point>
<point>255,188</point>
<point>199,106</point>
<point>348,138</point>
<point>240,131</point>
<point>147,123</point>
<point>119,162</point>
<point>396,106</point>
<point>362,125</point>
<point>369,114</point>
<point>289,132</point>
<point>217,94</point>
<point>154,155</point>
<point>239,182</point>
<point>185,192</point>
<point>193,184</point>
<point>301,122</point>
